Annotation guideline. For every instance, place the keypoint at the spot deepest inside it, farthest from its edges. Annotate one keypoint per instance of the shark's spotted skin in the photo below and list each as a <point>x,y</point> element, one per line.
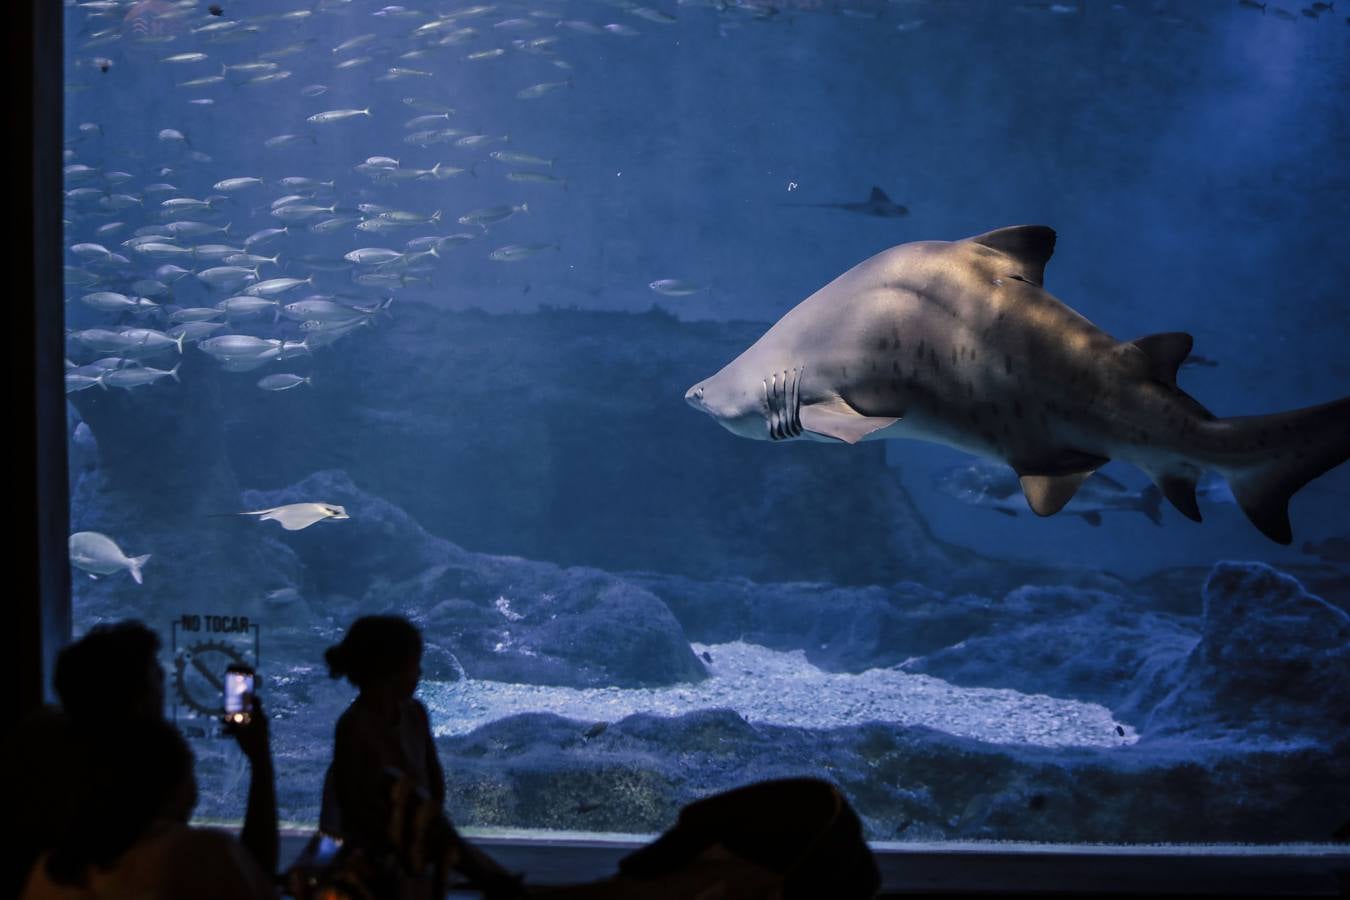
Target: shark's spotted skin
<point>958,342</point>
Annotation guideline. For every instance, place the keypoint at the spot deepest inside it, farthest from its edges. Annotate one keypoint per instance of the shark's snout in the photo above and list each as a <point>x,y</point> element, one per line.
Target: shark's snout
<point>694,397</point>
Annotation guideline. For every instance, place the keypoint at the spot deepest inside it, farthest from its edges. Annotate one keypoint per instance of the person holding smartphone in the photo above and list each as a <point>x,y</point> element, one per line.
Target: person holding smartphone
<point>110,683</point>
<point>130,836</point>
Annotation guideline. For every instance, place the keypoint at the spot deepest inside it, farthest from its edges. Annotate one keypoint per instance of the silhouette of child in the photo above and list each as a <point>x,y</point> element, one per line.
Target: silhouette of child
<point>386,731</point>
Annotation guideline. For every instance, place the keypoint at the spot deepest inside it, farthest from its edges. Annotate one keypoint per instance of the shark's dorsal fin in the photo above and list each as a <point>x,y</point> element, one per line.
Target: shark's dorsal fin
<point>835,418</point>
<point>1047,494</point>
<point>878,196</point>
<point>1165,352</point>
<point>1030,245</point>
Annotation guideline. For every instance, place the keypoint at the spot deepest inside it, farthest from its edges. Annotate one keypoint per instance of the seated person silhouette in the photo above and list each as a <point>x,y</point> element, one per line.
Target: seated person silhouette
<point>129,836</point>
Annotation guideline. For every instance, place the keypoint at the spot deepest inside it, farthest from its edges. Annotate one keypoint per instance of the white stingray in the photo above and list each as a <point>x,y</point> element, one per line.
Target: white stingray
<point>295,516</point>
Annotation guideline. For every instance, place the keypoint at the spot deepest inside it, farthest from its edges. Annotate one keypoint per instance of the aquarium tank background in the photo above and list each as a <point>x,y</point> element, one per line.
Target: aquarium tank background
<point>433,279</point>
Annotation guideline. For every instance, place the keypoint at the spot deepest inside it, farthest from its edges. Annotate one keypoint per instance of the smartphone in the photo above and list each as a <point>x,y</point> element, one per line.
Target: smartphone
<point>238,695</point>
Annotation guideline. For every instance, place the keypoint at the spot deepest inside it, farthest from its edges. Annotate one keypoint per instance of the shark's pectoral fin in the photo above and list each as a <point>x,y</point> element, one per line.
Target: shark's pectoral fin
<point>1047,494</point>
<point>1093,518</point>
<point>835,418</point>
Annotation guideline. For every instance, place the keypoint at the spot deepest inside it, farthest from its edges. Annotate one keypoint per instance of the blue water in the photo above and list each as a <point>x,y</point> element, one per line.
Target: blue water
<point>1191,157</point>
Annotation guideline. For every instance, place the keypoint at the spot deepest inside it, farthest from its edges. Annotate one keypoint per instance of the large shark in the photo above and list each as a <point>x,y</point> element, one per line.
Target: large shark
<point>958,343</point>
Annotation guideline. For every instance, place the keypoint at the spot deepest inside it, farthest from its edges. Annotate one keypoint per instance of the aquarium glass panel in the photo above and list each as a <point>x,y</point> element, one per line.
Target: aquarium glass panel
<point>943,398</point>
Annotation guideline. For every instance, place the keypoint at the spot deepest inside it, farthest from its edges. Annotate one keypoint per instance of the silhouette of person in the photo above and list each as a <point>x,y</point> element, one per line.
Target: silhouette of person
<point>129,836</point>
<point>382,747</point>
<point>791,839</point>
<point>108,679</point>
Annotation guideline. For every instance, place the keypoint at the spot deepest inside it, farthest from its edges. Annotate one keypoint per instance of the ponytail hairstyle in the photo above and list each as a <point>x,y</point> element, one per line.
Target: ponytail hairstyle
<point>374,648</point>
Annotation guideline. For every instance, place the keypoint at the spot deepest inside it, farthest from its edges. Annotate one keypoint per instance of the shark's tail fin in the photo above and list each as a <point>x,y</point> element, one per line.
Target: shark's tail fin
<point>1267,459</point>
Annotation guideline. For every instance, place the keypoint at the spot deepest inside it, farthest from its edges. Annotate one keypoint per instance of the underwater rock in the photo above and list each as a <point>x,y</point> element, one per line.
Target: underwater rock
<point>840,629</point>
<point>494,617</point>
<point>1063,642</point>
<point>1272,663</point>
<point>907,784</point>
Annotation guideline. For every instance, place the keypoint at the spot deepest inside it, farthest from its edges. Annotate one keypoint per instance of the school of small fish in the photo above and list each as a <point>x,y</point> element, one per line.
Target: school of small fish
<point>174,256</point>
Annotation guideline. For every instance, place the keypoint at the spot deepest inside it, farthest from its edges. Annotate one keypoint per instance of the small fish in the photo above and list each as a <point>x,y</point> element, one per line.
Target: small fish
<point>396,73</point>
<point>295,516</point>
<point>652,15</point>
<point>239,346</point>
<point>535,91</point>
<point>585,807</point>
<point>621,30</point>
<point>99,554</point>
<point>372,256</point>
<point>274,286</point>
<point>313,90</point>
<point>1252,4</point>
<point>581,27</point>
<point>172,135</point>
<point>282,382</point>
<point>536,178</point>
<point>595,730</point>
<point>246,305</point>
<point>286,140</point>
<point>203,81</point>
<point>195,314</point>
<point>519,252</point>
<point>77,381</point>
<point>110,301</point>
<point>353,43</point>
<point>433,136</point>
<point>422,122</point>
<point>491,214</point>
<point>707,657</point>
<point>410,218</point>
<point>257,67</point>
<point>185,58</point>
<point>299,212</point>
<point>237,184</point>
<point>269,78</point>
<point>264,236</point>
<point>1120,730</point>
<point>300,183</point>
<point>486,54</point>
<point>675,287</point>
<point>337,115</point>
<point>224,277</point>
<point>137,376</point>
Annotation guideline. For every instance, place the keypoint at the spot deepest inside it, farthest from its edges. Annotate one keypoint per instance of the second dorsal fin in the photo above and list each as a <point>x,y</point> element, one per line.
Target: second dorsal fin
<point>1030,245</point>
